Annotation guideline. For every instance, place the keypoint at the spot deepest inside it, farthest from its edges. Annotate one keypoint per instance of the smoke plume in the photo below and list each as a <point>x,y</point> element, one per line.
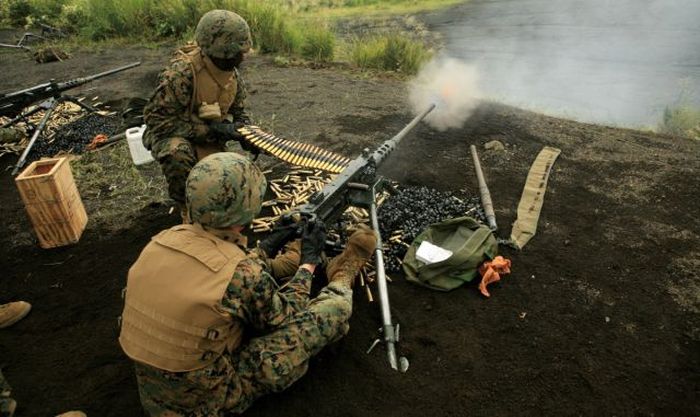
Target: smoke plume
<point>450,84</point>
<point>615,62</point>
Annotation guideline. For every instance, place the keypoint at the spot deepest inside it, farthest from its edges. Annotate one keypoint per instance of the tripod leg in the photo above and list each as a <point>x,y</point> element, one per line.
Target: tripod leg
<point>23,158</point>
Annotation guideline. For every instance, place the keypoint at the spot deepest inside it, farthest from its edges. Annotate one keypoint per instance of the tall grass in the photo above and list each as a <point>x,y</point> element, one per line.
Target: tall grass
<point>274,27</point>
<point>272,30</point>
<point>392,52</point>
<point>319,44</point>
<point>15,12</point>
<point>681,120</point>
<point>345,7</point>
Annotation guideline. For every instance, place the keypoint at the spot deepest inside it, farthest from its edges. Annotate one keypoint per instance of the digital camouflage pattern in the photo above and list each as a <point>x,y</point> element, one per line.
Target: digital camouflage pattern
<point>223,34</point>
<point>224,189</point>
<point>10,135</point>
<point>295,329</point>
<point>173,132</point>
<point>5,391</point>
<point>177,160</point>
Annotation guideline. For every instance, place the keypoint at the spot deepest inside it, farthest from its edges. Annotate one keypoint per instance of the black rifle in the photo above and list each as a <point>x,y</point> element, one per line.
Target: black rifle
<point>356,186</point>
<point>48,95</point>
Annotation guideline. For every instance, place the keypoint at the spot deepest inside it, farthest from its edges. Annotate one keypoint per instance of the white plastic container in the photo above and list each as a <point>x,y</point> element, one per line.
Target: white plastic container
<point>139,154</point>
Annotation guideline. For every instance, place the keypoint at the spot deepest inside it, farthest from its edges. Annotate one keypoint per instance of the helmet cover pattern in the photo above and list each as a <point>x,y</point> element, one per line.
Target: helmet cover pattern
<point>223,34</point>
<point>224,189</point>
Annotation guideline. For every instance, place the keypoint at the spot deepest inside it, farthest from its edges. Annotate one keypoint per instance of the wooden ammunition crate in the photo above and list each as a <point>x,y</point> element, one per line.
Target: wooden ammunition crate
<point>52,202</point>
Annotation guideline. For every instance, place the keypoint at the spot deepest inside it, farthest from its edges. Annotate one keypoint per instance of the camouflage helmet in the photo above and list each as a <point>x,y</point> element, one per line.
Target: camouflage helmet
<point>222,34</point>
<point>224,189</point>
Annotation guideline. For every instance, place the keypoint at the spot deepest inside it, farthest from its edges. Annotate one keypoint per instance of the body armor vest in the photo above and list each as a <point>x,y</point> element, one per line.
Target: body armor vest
<point>172,317</point>
<point>212,87</point>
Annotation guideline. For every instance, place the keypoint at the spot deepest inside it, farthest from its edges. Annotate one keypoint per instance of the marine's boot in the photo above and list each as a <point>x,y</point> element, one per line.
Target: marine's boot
<point>73,414</point>
<point>7,407</point>
<point>344,267</point>
<point>11,313</point>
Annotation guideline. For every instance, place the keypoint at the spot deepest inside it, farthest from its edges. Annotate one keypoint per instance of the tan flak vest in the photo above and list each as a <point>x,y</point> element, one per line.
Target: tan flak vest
<point>212,86</point>
<point>214,92</point>
<point>172,317</point>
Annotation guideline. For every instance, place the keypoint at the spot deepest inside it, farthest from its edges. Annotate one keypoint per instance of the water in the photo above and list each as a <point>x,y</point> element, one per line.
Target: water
<point>618,62</point>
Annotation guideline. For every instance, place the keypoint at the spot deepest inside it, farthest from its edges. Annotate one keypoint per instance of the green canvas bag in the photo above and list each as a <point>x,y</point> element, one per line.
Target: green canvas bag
<point>471,244</point>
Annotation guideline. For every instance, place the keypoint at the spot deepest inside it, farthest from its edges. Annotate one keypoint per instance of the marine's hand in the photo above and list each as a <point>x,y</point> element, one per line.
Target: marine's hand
<point>229,131</point>
<point>226,131</point>
<point>313,241</point>
<point>284,230</point>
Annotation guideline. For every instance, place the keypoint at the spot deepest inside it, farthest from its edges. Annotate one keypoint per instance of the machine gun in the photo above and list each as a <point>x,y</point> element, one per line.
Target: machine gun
<point>47,32</point>
<point>48,95</point>
<point>357,185</point>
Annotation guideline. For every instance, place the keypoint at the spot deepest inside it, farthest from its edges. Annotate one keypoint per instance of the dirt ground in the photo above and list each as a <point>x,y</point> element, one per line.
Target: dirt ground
<point>601,315</point>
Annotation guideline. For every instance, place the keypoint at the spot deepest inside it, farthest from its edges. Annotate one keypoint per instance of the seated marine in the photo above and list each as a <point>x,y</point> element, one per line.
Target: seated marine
<point>205,322</point>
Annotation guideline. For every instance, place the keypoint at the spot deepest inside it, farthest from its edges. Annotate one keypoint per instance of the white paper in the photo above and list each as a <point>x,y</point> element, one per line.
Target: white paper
<point>430,254</point>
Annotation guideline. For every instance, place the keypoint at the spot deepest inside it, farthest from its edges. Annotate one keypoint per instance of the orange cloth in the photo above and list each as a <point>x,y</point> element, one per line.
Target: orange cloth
<point>96,142</point>
<point>491,272</point>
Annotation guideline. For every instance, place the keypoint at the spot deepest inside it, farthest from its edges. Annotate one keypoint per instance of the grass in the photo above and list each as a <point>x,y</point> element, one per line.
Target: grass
<point>319,44</point>
<point>113,190</point>
<point>392,52</point>
<point>353,8</point>
<point>287,27</point>
<point>272,31</point>
<point>681,120</point>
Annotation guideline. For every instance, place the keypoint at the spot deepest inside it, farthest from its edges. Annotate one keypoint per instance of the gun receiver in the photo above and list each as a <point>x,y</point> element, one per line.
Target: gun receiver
<point>351,187</point>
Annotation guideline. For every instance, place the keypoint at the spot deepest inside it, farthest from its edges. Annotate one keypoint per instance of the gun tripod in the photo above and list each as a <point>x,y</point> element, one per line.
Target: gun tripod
<point>47,32</point>
<point>49,106</point>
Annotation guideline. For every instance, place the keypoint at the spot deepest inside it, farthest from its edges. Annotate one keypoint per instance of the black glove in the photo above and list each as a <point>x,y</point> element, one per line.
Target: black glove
<point>283,231</point>
<point>226,131</point>
<point>313,241</point>
<point>229,131</point>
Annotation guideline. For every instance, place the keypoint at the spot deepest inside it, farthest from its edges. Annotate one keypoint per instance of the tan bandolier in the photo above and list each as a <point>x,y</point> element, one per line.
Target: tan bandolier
<point>172,316</point>
<point>214,92</point>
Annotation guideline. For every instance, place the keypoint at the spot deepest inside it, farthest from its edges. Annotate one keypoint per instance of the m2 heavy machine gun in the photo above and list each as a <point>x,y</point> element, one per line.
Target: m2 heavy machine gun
<point>357,185</point>
<point>48,96</point>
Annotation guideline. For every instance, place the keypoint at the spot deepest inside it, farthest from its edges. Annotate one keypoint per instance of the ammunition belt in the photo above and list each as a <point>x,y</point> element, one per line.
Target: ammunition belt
<point>295,153</point>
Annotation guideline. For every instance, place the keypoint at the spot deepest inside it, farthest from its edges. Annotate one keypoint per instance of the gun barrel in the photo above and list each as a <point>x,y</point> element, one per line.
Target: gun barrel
<point>12,104</point>
<point>114,70</point>
<point>385,149</point>
<point>484,191</point>
<point>83,80</point>
<point>74,82</point>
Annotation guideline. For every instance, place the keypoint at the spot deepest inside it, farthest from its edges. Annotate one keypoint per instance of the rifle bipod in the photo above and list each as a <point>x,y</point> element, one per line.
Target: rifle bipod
<point>402,365</point>
<point>388,332</point>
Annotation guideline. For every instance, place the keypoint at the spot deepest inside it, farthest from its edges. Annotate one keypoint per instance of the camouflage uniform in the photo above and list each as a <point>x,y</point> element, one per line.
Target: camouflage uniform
<point>295,329</point>
<point>170,136</point>
<point>10,135</point>
<point>174,129</point>
<point>287,327</point>
<point>5,391</point>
